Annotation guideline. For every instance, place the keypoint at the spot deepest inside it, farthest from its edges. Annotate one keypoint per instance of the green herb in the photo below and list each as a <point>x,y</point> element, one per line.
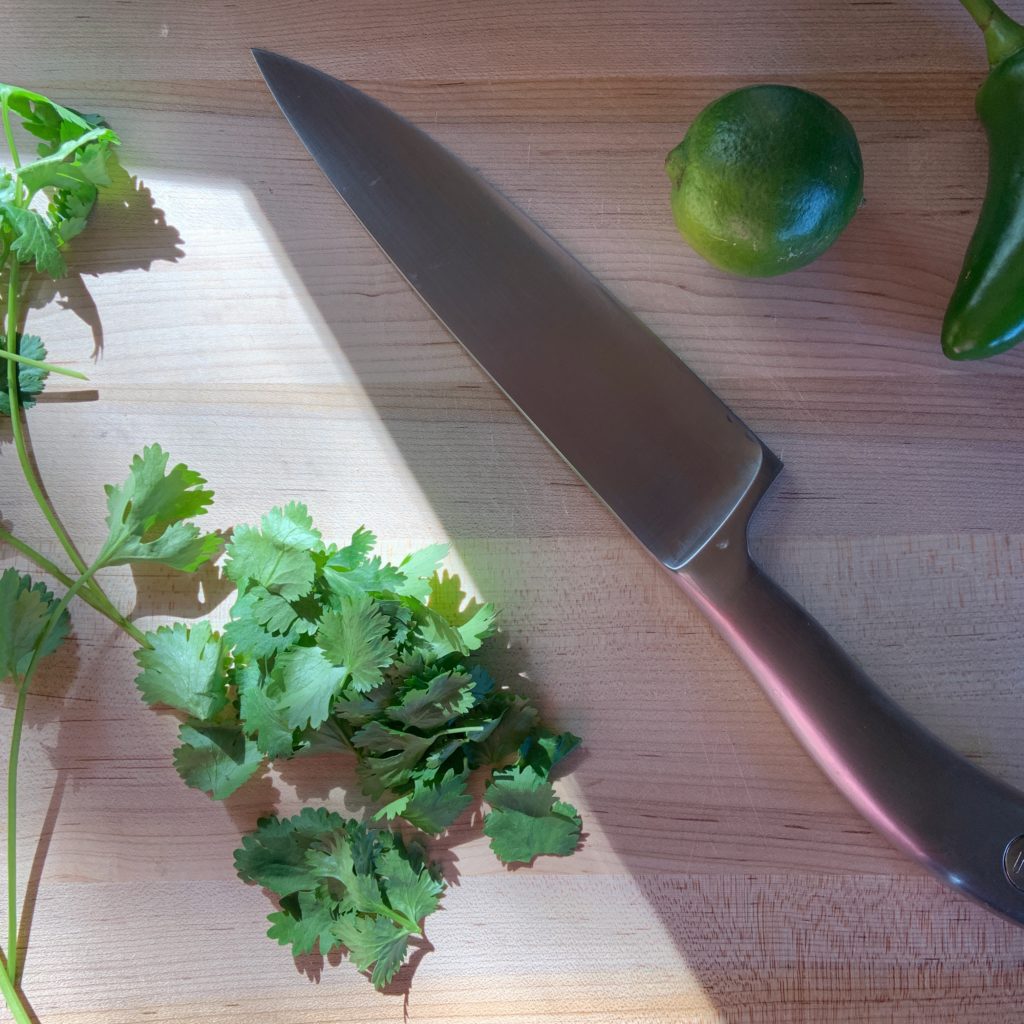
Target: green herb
<point>341,884</point>
<point>331,643</point>
<point>326,647</point>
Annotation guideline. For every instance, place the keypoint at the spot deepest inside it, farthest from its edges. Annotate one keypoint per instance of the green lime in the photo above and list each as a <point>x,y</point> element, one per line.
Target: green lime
<point>766,179</point>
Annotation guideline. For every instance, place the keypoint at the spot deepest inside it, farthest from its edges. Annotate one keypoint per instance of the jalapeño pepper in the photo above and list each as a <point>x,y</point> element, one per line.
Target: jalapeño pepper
<point>986,312</point>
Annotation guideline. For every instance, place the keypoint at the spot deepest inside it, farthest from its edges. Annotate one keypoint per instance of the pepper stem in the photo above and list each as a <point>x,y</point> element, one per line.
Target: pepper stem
<point>1003,36</point>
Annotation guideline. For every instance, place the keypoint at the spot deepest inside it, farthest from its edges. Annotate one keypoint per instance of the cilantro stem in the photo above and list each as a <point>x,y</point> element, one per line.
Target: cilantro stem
<point>14,1003</point>
<point>19,437</point>
<point>12,769</point>
<point>95,599</point>
<point>40,365</point>
<point>409,925</point>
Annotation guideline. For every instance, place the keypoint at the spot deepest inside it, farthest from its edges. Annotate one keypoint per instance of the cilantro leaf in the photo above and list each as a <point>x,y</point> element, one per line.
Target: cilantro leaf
<point>373,942</point>
<point>24,611</point>
<point>542,750</point>
<point>418,568</point>
<point>439,701</point>
<point>304,920</point>
<point>277,615</point>
<point>278,556</point>
<point>440,634</point>
<point>33,240</point>
<point>216,758</point>
<point>339,882</point>
<point>354,637</point>
<point>358,708</point>
<point>45,119</point>
<point>243,633</point>
<point>372,576</point>
<point>525,821</point>
<point>411,890</point>
<point>146,513</point>
<point>183,668</point>
<point>356,551</point>
<point>55,170</point>
<point>389,756</point>
<point>30,378</point>
<point>262,715</point>
<point>335,860</point>
<point>434,806</point>
<point>474,621</point>
<point>504,737</point>
<point>274,856</point>
<point>306,684</point>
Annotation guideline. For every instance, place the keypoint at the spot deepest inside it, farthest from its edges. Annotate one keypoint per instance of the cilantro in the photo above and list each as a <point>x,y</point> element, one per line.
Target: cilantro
<point>279,556</point>
<point>435,703</point>
<point>326,647</point>
<point>216,758</point>
<point>264,716</point>
<point>25,609</point>
<point>354,637</point>
<point>433,805</point>
<point>147,513</point>
<point>183,668</point>
<point>525,820</point>
<point>307,684</point>
<point>341,885</point>
<point>418,568</point>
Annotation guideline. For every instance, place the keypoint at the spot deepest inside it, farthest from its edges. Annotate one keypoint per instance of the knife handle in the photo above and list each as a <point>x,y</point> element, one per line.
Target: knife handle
<point>958,821</point>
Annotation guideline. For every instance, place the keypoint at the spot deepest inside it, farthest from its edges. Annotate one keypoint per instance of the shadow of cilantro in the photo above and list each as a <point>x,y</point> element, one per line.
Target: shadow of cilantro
<point>160,590</point>
<point>127,231</point>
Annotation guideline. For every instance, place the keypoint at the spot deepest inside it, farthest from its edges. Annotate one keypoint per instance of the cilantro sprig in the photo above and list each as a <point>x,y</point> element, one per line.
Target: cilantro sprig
<point>342,884</point>
<point>326,646</point>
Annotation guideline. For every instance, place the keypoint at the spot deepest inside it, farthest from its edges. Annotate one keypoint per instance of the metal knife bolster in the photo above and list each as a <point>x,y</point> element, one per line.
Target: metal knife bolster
<point>963,824</point>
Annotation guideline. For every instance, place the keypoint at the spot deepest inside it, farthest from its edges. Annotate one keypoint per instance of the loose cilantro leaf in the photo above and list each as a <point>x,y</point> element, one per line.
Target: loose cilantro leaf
<point>411,890</point>
<point>25,609</point>
<point>216,758</point>
<point>435,805</point>
<point>274,856</point>
<point>263,715</point>
<point>473,621</point>
<point>508,729</point>
<point>32,239</point>
<point>354,637</point>
<point>147,513</point>
<point>372,576</point>
<point>439,701</point>
<point>418,568</point>
<point>374,942</point>
<point>355,552</point>
<point>341,884</point>
<point>307,683</point>
<point>30,378</point>
<point>278,556</point>
<point>183,668</point>
<point>542,750</point>
<point>305,920</point>
<point>525,820</point>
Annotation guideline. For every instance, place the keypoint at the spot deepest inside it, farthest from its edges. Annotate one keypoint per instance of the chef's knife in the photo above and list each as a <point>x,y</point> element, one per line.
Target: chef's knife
<point>666,455</point>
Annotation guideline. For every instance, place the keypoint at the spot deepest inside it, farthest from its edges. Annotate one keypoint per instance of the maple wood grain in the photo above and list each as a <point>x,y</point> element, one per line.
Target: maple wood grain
<point>225,304</point>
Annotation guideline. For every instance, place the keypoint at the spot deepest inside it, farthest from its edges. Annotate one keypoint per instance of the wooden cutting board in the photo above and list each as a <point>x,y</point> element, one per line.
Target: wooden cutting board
<point>227,306</point>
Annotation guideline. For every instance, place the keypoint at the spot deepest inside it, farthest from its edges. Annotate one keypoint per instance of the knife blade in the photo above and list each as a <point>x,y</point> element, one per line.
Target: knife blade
<point>666,455</point>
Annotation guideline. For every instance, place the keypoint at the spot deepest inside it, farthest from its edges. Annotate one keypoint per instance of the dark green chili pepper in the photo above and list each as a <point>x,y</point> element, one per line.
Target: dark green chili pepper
<point>986,312</point>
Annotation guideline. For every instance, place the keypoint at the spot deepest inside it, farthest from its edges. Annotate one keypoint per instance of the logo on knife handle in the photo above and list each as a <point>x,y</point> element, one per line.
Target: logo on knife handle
<point>1013,862</point>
